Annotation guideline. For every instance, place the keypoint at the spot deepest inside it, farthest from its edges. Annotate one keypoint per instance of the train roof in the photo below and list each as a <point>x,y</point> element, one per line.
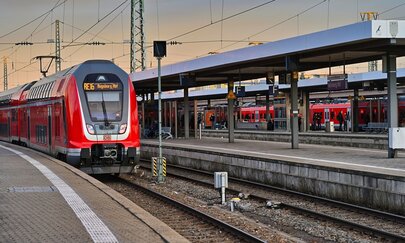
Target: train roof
<point>43,88</point>
<point>5,96</point>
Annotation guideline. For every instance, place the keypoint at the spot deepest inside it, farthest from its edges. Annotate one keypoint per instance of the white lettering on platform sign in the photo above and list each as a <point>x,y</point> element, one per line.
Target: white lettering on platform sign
<point>98,231</point>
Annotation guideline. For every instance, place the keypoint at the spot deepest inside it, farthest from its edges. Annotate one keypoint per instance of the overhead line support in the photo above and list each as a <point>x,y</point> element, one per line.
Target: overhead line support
<point>137,53</point>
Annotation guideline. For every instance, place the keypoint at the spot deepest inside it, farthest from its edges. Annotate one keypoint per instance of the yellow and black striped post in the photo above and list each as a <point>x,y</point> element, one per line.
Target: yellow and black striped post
<point>159,169</point>
<point>154,166</point>
<point>164,166</point>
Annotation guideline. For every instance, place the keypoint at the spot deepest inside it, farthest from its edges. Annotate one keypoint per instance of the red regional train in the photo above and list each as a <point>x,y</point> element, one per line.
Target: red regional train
<point>325,112</point>
<point>85,115</point>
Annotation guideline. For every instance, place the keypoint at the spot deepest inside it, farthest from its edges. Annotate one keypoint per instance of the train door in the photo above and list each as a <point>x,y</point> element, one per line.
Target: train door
<point>9,126</point>
<point>49,129</point>
<point>327,115</point>
<point>28,127</point>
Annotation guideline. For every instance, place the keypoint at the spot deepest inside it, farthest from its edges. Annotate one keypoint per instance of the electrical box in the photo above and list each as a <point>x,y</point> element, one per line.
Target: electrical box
<point>220,179</point>
<point>397,138</point>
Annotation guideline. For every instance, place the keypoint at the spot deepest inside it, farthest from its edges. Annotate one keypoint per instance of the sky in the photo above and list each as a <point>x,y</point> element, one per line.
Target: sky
<point>164,20</point>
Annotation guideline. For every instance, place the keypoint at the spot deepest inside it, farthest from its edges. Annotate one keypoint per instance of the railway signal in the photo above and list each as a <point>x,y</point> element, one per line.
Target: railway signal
<point>159,51</point>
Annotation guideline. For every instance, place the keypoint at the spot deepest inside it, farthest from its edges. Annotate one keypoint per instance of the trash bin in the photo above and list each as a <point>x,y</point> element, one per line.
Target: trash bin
<point>329,126</point>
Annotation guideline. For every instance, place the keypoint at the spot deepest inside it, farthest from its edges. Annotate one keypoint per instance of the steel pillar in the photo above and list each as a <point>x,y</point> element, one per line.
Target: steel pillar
<point>5,74</point>
<point>392,100</point>
<point>137,54</point>
<point>267,106</point>
<point>57,48</point>
<point>306,117</point>
<point>195,106</point>
<point>186,114</point>
<point>294,112</point>
<point>231,120</point>
<point>355,111</point>
<point>175,119</point>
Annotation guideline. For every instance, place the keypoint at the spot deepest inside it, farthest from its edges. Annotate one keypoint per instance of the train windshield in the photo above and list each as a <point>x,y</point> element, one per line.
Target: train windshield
<point>105,105</point>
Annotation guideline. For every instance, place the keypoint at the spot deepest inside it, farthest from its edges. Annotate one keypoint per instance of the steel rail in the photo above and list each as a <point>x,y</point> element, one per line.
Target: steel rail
<point>385,234</point>
<point>207,218</point>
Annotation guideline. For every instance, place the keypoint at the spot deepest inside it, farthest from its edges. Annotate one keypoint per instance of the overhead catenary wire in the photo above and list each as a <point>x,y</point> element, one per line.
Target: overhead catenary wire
<point>207,25</point>
<point>45,17</point>
<point>275,25</point>
<point>82,30</point>
<point>220,20</point>
<point>32,21</point>
<point>32,33</point>
<point>86,31</point>
<point>100,31</point>
<point>104,17</point>
<point>388,10</point>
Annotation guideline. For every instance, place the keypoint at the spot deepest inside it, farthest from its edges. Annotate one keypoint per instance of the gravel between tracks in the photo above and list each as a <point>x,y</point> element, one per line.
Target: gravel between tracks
<point>274,225</point>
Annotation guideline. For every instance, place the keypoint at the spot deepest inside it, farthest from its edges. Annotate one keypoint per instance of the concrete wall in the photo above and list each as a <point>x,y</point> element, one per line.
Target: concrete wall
<point>376,141</point>
<point>368,189</point>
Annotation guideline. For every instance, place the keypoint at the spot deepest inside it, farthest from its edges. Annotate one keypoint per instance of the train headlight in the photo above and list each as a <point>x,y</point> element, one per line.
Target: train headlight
<point>123,128</point>
<point>90,129</point>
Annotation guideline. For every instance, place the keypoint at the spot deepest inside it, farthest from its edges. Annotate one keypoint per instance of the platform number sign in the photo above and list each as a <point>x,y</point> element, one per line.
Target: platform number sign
<point>240,91</point>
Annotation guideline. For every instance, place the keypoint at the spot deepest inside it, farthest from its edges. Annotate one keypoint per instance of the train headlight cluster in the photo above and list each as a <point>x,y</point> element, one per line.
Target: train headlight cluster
<point>90,129</point>
<point>123,128</point>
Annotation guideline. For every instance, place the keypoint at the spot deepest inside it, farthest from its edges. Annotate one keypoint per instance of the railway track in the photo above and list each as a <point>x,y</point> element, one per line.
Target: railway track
<point>368,221</point>
<point>193,224</point>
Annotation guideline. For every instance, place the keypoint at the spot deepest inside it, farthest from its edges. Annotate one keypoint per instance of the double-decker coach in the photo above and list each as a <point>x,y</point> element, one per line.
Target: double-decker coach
<point>86,115</point>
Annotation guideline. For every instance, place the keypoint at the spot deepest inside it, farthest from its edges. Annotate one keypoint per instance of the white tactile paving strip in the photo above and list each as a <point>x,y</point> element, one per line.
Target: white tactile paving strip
<point>97,230</point>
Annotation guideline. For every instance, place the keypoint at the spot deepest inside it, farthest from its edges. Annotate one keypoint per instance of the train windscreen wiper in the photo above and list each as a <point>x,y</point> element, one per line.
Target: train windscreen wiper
<point>106,123</point>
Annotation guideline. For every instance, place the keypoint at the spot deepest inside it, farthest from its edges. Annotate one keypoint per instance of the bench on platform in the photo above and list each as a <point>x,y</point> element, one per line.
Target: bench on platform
<point>377,127</point>
<point>167,133</point>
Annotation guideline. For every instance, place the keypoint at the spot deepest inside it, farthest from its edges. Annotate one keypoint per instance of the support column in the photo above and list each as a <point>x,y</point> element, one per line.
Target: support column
<point>186,114</point>
<point>294,111</point>
<point>305,116</point>
<point>195,119</point>
<point>143,113</point>
<point>170,114</point>
<point>175,120</point>
<point>355,111</point>
<point>288,111</point>
<point>392,101</point>
<point>267,106</point>
<point>163,113</point>
<point>231,121</point>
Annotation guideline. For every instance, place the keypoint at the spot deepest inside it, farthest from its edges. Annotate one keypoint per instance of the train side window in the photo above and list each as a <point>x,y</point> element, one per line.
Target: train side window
<point>332,115</point>
<point>13,115</point>
<point>57,125</point>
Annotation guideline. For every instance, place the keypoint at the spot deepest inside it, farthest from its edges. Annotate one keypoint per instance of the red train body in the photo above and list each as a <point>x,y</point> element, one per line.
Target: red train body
<point>326,112</point>
<point>85,115</point>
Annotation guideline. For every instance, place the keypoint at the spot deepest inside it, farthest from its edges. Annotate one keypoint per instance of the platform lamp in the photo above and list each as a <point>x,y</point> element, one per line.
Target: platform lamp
<point>159,51</point>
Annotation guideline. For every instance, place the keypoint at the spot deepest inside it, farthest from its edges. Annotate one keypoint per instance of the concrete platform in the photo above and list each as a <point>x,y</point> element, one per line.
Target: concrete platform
<point>337,138</point>
<point>355,175</point>
<point>45,200</point>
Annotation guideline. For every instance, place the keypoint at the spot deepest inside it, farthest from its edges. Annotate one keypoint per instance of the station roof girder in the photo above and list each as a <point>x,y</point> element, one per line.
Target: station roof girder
<point>355,43</point>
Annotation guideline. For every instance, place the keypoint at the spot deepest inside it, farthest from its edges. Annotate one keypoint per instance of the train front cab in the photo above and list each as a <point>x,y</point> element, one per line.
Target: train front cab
<point>102,114</point>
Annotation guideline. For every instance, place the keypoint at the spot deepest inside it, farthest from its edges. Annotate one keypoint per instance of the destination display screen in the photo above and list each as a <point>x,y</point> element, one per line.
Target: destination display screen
<point>101,86</point>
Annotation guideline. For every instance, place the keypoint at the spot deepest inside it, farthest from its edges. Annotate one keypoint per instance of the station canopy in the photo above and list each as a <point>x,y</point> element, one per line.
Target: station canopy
<point>355,43</point>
